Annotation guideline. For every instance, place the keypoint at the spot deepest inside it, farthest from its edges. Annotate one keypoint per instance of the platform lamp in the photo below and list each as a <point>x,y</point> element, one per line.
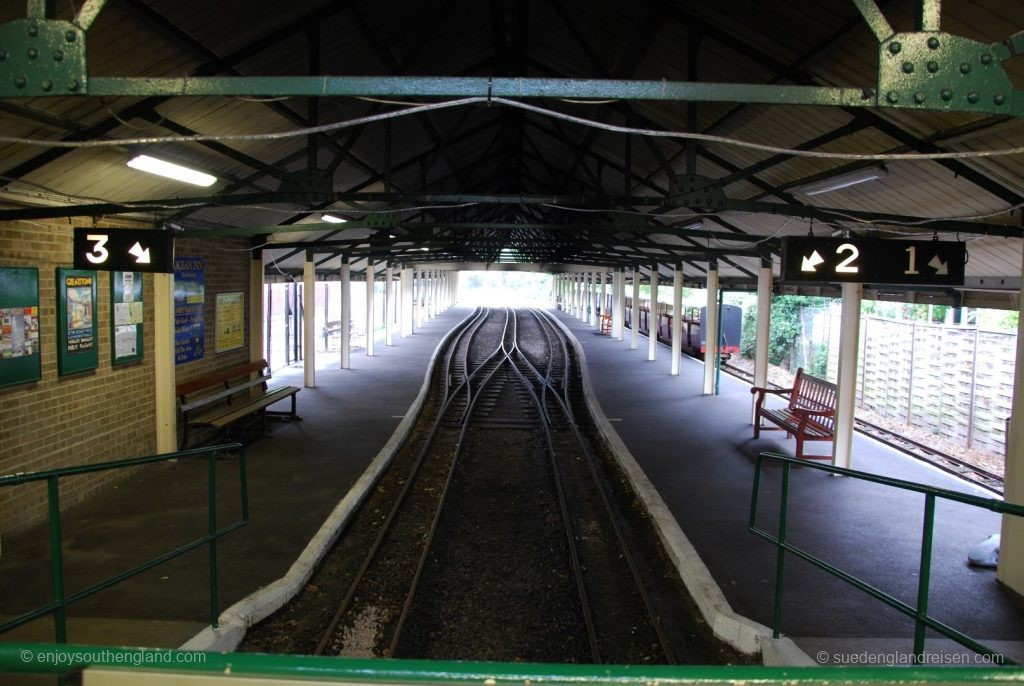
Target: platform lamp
<point>834,183</point>
<point>170,170</point>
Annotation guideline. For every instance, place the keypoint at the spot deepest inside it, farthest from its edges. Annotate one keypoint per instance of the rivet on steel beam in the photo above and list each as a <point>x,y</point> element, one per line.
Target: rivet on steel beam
<point>70,36</point>
<point>920,97</point>
<point>895,47</point>
<point>972,97</point>
<point>933,66</point>
<point>47,85</point>
<point>986,58</point>
<point>946,94</point>
<point>33,53</point>
<point>999,98</point>
<point>908,67</point>
<point>892,96</point>
<point>965,68</point>
<point>73,85</point>
<point>20,81</point>
<point>933,43</point>
<point>58,55</point>
<point>33,30</point>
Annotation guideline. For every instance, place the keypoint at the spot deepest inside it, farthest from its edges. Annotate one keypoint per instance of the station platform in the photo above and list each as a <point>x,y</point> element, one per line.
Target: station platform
<point>699,453</point>
<point>295,479</point>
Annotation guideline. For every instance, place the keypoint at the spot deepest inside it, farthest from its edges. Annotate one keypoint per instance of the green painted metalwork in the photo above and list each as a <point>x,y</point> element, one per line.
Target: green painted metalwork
<point>696,192</point>
<point>90,11</point>
<point>41,57</point>
<point>876,21</point>
<point>922,70</point>
<point>38,658</point>
<point>922,619</point>
<point>58,606</point>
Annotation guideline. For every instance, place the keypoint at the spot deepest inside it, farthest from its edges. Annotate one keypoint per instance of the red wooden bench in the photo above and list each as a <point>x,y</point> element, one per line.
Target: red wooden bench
<point>809,415</point>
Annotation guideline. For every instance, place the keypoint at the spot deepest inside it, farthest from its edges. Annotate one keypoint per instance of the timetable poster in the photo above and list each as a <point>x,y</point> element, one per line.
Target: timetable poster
<point>230,321</point>
<point>126,319</point>
<point>76,321</point>
<point>189,309</point>
<point>19,325</point>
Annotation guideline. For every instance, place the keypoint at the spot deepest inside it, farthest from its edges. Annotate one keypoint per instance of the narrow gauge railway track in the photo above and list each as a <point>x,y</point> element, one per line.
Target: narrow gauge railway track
<point>500,532</point>
<point>972,473</point>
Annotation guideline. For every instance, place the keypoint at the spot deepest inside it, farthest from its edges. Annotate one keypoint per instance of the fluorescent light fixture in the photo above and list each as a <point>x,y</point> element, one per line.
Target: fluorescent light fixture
<point>177,172</point>
<point>331,219</point>
<point>424,249</point>
<point>844,180</point>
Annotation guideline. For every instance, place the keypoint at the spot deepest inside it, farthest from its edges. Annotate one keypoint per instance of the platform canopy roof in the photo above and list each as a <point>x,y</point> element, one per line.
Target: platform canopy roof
<point>588,133</point>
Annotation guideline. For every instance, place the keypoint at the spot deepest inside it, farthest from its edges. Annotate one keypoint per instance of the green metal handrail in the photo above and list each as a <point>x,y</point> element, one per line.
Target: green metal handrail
<point>58,606</point>
<point>922,620</point>
<point>43,658</point>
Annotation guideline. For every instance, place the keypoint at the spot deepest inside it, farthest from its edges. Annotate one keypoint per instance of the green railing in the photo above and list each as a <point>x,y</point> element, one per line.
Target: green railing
<point>42,658</point>
<point>58,606</point>
<point>922,620</point>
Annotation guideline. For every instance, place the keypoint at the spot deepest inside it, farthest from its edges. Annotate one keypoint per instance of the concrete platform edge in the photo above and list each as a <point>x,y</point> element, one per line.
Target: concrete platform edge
<point>260,604</point>
<point>744,634</point>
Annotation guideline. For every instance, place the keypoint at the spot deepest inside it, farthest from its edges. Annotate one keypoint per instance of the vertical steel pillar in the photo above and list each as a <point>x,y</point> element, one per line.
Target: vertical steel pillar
<point>406,306</point>
<point>1011,546</point>
<point>634,312</point>
<point>309,321</point>
<point>617,313</point>
<point>369,308</point>
<point>846,383</point>
<point>764,319</point>
<point>601,308</point>
<point>620,304</point>
<point>710,327</point>
<point>677,317</point>
<point>389,308</point>
<point>256,307</point>
<point>345,274</point>
<point>652,317</point>
<point>163,364</point>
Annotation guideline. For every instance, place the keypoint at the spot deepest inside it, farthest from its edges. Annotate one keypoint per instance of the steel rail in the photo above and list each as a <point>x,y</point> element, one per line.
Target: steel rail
<point>443,498</point>
<point>565,401</point>
<point>465,336</point>
<point>563,506</point>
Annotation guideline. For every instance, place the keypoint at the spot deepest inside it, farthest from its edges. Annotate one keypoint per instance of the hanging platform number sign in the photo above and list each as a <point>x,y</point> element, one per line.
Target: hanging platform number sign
<point>127,250</point>
<point>867,260</point>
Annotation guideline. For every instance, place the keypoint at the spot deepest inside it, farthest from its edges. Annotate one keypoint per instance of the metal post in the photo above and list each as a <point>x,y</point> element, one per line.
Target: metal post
<point>864,362</point>
<point>719,341</point>
<point>369,308</point>
<point>652,317</point>
<point>846,383</point>
<point>269,299</point>
<point>924,574</point>
<point>620,307</point>
<point>780,556</point>
<point>346,313</point>
<point>389,308</point>
<point>309,321</point>
<point>1011,546</point>
<point>910,383</point>
<point>212,515</point>
<point>974,389</point>
<point>601,308</point>
<point>763,329</point>
<point>634,319</point>
<point>165,400</point>
<point>710,327</point>
<point>405,303</point>
<point>256,306</point>
<point>56,561</point>
<point>677,317</point>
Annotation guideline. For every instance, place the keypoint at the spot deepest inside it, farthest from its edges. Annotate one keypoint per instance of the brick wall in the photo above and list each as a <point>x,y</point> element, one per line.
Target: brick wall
<point>103,414</point>
<point>93,416</point>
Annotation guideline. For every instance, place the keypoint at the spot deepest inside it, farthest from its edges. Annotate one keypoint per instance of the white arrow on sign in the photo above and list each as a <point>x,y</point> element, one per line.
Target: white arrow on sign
<point>141,254</point>
<point>811,263</point>
<point>940,267</point>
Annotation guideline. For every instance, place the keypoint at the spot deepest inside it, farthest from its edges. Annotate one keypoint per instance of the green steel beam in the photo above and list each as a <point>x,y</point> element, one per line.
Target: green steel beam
<point>930,18</point>
<point>90,11</point>
<point>876,21</point>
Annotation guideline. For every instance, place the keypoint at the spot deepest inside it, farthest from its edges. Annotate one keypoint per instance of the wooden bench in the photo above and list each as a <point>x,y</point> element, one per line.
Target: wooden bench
<point>606,323</point>
<point>809,415</point>
<point>224,398</point>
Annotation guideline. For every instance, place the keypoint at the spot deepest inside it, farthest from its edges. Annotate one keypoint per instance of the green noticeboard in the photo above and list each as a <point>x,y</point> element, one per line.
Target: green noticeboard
<point>77,340</point>
<point>19,325</point>
<point>125,317</point>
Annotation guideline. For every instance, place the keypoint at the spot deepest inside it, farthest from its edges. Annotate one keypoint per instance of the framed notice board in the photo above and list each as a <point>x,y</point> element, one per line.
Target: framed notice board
<point>19,325</point>
<point>125,317</point>
<point>77,344</point>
